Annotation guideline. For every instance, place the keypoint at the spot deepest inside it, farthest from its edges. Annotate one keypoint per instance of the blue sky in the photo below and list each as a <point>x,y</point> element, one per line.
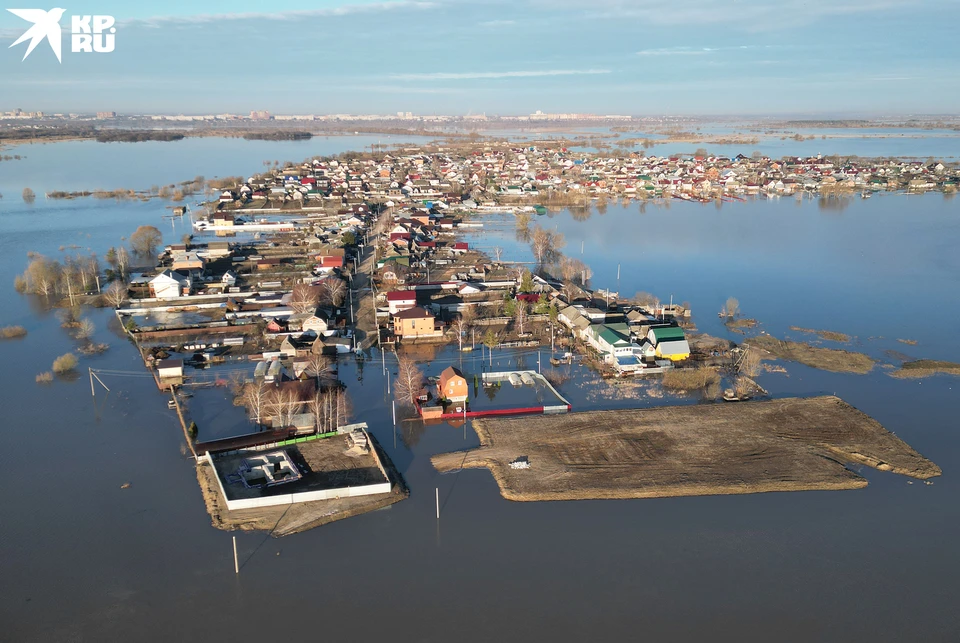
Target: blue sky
<point>635,57</point>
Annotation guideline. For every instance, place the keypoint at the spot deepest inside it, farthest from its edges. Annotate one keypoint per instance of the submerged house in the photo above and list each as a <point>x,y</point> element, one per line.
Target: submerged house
<point>452,385</point>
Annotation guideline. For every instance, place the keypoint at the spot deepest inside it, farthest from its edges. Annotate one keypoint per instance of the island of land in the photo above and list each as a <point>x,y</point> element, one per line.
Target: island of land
<point>793,444</point>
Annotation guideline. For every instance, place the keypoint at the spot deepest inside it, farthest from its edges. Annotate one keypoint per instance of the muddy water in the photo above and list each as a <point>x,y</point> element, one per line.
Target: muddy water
<point>84,559</point>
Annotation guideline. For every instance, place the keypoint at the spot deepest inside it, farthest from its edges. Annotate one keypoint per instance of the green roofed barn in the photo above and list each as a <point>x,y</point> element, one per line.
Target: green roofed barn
<point>669,342</point>
<point>665,334</point>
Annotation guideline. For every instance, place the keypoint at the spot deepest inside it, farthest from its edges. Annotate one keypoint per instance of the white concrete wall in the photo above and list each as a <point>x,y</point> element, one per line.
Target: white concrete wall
<point>308,496</point>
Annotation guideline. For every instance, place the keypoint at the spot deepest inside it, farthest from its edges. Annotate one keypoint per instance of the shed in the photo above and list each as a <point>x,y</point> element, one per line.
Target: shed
<point>170,368</point>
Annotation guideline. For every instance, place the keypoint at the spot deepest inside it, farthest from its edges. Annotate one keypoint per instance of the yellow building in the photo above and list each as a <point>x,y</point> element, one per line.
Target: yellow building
<point>415,322</point>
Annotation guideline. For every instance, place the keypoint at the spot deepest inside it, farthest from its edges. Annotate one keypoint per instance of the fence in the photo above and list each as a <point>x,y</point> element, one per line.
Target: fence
<point>307,496</point>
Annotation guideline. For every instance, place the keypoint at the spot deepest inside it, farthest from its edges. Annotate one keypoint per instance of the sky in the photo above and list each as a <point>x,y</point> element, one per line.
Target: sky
<point>634,57</point>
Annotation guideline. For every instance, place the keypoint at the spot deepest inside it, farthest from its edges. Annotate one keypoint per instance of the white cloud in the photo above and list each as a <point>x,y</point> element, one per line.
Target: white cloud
<point>673,51</point>
<point>498,23</point>
<point>206,18</point>
<point>697,51</point>
<point>498,74</point>
<point>750,15</point>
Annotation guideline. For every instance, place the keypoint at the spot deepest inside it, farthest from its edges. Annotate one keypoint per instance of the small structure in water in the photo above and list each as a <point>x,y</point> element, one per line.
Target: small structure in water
<point>452,385</point>
<point>531,394</point>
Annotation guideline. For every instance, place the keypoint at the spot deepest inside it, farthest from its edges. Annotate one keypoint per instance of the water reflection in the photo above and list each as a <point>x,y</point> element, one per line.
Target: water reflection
<point>834,203</point>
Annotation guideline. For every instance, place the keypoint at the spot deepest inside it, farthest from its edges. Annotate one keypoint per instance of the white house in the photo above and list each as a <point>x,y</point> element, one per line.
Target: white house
<point>169,285</point>
<point>400,300</point>
<point>316,323</point>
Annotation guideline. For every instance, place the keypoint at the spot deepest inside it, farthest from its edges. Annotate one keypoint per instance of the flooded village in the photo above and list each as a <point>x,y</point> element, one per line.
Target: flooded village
<point>507,322</point>
<point>373,258</point>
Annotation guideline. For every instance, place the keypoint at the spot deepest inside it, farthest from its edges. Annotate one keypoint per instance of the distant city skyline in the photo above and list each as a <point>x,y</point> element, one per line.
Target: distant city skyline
<point>704,57</point>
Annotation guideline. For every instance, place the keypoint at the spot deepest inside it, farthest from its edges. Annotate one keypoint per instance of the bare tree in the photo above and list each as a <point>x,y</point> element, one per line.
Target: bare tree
<point>491,340</point>
<point>90,271</point>
<point>68,284</point>
<point>523,223</point>
<point>732,307</point>
<point>42,275</point>
<point>546,245</point>
<point>460,327</point>
<point>520,314</point>
<point>115,294</point>
<point>334,290</point>
<point>123,263</point>
<point>645,299</point>
<point>85,329</point>
<point>304,299</point>
<point>574,270</point>
<point>318,366</point>
<point>145,240</point>
<point>282,404</point>
<point>750,363</point>
<point>319,405</point>
<point>255,396</point>
<point>497,253</point>
<point>342,406</point>
<point>409,382</point>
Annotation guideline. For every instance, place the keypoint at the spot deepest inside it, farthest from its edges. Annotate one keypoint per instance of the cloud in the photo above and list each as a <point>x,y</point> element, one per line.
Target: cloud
<point>498,23</point>
<point>498,74</point>
<point>206,18</point>
<point>673,51</point>
<point>697,51</point>
<point>750,15</point>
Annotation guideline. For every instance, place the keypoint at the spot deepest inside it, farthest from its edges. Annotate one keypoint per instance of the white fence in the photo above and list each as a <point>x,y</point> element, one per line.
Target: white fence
<point>307,496</point>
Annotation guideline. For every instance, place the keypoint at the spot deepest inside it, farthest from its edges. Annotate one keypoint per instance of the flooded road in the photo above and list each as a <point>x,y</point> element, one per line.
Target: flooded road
<point>84,559</point>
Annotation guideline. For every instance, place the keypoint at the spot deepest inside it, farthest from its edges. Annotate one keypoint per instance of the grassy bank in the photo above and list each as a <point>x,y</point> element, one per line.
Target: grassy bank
<point>925,368</point>
<point>827,359</point>
<point>824,334</point>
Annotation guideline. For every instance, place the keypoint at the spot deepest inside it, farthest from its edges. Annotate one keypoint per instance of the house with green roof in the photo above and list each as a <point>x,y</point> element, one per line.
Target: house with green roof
<point>659,334</point>
<point>669,342</point>
<point>608,341</point>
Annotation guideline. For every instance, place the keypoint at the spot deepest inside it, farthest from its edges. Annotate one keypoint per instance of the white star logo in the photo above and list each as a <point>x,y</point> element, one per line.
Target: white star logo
<point>46,25</point>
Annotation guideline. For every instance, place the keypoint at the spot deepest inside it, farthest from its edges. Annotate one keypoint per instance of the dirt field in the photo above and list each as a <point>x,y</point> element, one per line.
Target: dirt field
<point>827,359</point>
<point>709,449</point>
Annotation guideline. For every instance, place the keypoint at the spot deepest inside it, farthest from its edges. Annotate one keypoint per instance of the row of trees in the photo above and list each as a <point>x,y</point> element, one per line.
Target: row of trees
<point>78,274</point>
<point>330,408</point>
<point>74,276</point>
<point>306,298</point>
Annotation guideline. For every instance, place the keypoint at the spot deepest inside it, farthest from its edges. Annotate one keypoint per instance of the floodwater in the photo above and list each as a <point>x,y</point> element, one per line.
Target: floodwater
<point>84,559</point>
